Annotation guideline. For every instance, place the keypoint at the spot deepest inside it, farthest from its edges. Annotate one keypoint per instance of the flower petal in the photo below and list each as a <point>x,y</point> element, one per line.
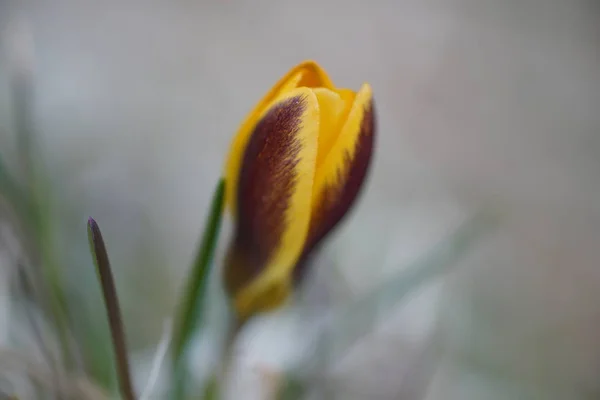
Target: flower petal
<point>340,176</point>
<point>306,74</point>
<point>332,109</point>
<point>274,197</point>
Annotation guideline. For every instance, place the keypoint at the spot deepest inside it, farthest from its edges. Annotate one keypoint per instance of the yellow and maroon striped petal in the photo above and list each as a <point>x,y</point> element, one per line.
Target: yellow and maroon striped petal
<point>341,172</point>
<point>273,202</point>
<point>306,74</point>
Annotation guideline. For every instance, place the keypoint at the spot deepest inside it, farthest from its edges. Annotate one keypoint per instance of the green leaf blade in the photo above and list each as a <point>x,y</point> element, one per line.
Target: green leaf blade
<point>194,295</point>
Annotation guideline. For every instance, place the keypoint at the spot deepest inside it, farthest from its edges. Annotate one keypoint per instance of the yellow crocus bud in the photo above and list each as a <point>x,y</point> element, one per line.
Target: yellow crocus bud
<point>294,170</point>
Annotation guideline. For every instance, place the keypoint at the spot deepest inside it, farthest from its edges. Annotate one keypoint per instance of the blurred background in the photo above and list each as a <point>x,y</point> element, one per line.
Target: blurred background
<point>480,103</point>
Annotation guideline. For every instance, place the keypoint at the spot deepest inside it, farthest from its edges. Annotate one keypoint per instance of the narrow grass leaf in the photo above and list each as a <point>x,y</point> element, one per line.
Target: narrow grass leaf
<point>357,320</point>
<point>211,390</point>
<point>113,310</point>
<point>193,297</point>
<point>292,389</point>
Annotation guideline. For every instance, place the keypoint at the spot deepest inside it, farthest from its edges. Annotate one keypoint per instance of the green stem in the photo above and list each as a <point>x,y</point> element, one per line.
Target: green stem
<point>193,300</point>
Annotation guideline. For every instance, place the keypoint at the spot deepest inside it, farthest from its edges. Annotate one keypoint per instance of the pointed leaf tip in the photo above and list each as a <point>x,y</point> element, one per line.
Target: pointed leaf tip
<point>113,312</point>
<point>93,229</point>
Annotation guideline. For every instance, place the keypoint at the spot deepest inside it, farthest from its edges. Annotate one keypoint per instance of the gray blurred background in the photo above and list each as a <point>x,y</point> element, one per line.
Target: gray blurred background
<point>479,102</point>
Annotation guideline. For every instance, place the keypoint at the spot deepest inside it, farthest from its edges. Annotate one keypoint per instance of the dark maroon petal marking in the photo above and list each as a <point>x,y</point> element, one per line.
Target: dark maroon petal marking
<point>339,199</point>
<point>266,184</point>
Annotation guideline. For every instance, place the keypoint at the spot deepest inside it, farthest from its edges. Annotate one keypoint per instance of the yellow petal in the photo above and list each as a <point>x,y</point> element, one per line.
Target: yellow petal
<point>273,203</point>
<point>332,109</point>
<point>339,177</point>
<point>306,74</point>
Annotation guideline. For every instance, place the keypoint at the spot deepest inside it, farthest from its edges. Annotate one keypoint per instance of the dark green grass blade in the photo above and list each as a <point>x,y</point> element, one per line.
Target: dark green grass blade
<point>113,311</point>
<point>193,300</point>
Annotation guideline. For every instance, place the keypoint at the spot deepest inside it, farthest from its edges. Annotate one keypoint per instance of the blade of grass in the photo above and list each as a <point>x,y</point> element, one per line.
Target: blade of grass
<point>14,195</point>
<point>435,262</point>
<point>51,271</point>
<point>72,386</point>
<point>113,310</point>
<point>25,218</point>
<point>30,204</point>
<point>20,55</point>
<point>193,297</point>
<point>34,209</point>
<point>161,352</point>
<point>291,389</point>
<point>352,323</point>
<point>211,390</point>
<point>22,89</point>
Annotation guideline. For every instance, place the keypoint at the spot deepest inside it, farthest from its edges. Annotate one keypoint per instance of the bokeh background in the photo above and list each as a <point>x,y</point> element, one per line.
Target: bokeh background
<point>480,103</point>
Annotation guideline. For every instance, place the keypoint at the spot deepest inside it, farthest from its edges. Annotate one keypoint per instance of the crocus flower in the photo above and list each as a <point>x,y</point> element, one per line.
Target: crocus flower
<point>294,170</point>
